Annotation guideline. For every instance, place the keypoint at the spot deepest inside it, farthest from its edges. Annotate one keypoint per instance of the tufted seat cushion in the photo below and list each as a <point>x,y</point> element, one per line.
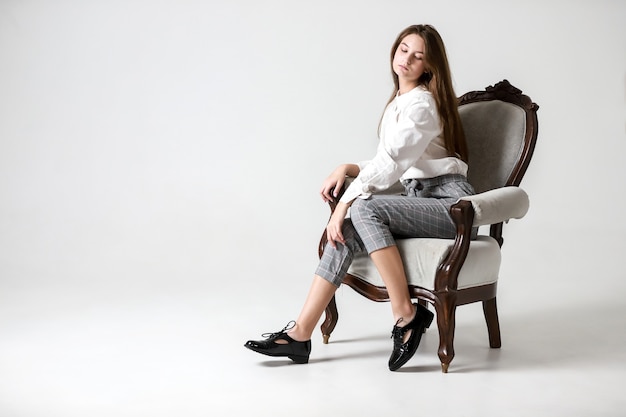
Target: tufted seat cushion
<point>422,257</point>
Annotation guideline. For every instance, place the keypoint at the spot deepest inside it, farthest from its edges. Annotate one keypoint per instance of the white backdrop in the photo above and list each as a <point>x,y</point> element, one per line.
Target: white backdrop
<point>171,143</point>
<point>160,162</point>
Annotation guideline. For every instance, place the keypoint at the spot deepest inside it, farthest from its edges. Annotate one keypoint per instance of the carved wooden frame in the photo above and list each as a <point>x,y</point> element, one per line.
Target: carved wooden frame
<point>446,297</point>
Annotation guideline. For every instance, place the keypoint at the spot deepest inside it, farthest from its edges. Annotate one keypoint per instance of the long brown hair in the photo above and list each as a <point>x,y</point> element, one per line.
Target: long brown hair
<point>438,81</point>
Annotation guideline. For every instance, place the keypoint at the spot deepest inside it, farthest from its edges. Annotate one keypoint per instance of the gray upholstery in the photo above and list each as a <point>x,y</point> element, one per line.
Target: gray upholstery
<point>495,137</point>
<point>494,131</point>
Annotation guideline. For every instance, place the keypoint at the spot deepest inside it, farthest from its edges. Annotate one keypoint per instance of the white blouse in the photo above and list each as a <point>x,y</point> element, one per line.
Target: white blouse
<point>410,146</point>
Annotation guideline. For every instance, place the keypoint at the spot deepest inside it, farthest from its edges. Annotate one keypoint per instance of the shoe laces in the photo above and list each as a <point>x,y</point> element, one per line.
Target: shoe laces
<point>285,329</point>
<point>397,331</point>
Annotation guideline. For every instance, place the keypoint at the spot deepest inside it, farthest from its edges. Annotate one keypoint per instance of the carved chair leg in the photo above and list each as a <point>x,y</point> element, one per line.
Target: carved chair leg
<point>493,325</point>
<point>328,325</point>
<point>446,310</point>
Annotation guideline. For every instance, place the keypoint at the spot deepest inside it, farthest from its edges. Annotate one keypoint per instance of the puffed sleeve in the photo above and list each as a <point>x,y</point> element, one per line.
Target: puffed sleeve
<point>404,138</point>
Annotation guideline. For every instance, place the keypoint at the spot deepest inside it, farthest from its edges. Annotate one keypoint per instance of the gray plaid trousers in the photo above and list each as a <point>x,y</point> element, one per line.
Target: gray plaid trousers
<point>375,223</point>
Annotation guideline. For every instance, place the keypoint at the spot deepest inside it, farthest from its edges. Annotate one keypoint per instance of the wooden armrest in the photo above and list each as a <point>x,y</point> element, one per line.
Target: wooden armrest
<point>462,214</point>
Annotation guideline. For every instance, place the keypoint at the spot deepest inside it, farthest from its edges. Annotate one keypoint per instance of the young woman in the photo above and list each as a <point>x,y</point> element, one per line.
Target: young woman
<point>422,145</point>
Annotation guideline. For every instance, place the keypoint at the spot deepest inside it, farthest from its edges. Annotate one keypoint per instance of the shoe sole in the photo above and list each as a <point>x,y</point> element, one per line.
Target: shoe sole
<point>420,331</point>
<point>295,358</point>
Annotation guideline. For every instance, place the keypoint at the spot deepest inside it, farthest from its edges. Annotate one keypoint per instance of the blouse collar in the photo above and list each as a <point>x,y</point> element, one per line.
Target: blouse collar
<point>404,99</point>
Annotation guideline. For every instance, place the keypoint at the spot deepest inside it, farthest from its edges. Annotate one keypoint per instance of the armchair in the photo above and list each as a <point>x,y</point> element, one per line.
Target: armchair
<point>500,125</point>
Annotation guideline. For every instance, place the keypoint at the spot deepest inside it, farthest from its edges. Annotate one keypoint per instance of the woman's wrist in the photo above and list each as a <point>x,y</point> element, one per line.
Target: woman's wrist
<point>352,170</point>
<point>342,207</point>
<point>349,170</point>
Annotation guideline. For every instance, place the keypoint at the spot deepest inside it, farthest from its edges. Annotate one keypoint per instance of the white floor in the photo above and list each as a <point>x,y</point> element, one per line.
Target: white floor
<point>173,346</point>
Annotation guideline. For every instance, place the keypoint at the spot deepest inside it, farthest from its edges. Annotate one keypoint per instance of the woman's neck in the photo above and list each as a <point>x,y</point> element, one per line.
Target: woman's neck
<point>406,87</point>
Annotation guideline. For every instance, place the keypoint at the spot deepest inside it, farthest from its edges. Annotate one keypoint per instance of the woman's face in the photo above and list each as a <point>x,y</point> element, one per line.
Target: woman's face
<point>408,61</point>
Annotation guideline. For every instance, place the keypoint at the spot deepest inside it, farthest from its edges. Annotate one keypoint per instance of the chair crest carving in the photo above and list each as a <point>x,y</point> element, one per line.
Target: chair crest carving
<point>502,90</point>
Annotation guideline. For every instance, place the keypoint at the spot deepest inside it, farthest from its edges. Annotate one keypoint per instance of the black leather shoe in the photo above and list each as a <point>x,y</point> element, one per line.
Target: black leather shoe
<point>403,351</point>
<point>296,351</point>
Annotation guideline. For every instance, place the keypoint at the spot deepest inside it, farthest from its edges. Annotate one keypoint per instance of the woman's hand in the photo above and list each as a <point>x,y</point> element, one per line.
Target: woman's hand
<point>333,183</point>
<point>335,224</point>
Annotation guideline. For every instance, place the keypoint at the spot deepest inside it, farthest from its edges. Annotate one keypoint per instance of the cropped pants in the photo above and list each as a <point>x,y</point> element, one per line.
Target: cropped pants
<point>375,223</point>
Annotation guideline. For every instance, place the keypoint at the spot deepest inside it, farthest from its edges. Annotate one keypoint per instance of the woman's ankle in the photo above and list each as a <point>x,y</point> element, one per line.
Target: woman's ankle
<point>299,334</point>
<point>406,316</point>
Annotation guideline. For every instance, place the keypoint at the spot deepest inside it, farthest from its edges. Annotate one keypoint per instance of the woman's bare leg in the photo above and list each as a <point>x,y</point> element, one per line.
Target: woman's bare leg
<point>320,294</point>
<point>407,331</point>
<point>391,269</point>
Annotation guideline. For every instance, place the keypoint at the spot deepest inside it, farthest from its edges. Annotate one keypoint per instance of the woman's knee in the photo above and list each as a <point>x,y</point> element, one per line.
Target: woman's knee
<point>361,209</point>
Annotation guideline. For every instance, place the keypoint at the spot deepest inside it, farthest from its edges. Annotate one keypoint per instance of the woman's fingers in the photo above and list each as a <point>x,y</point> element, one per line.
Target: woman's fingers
<point>330,188</point>
<point>326,195</point>
<point>327,191</point>
<point>334,234</point>
<point>330,240</point>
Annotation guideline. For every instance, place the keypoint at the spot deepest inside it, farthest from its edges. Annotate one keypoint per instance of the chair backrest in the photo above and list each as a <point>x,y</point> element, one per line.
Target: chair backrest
<point>500,127</point>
